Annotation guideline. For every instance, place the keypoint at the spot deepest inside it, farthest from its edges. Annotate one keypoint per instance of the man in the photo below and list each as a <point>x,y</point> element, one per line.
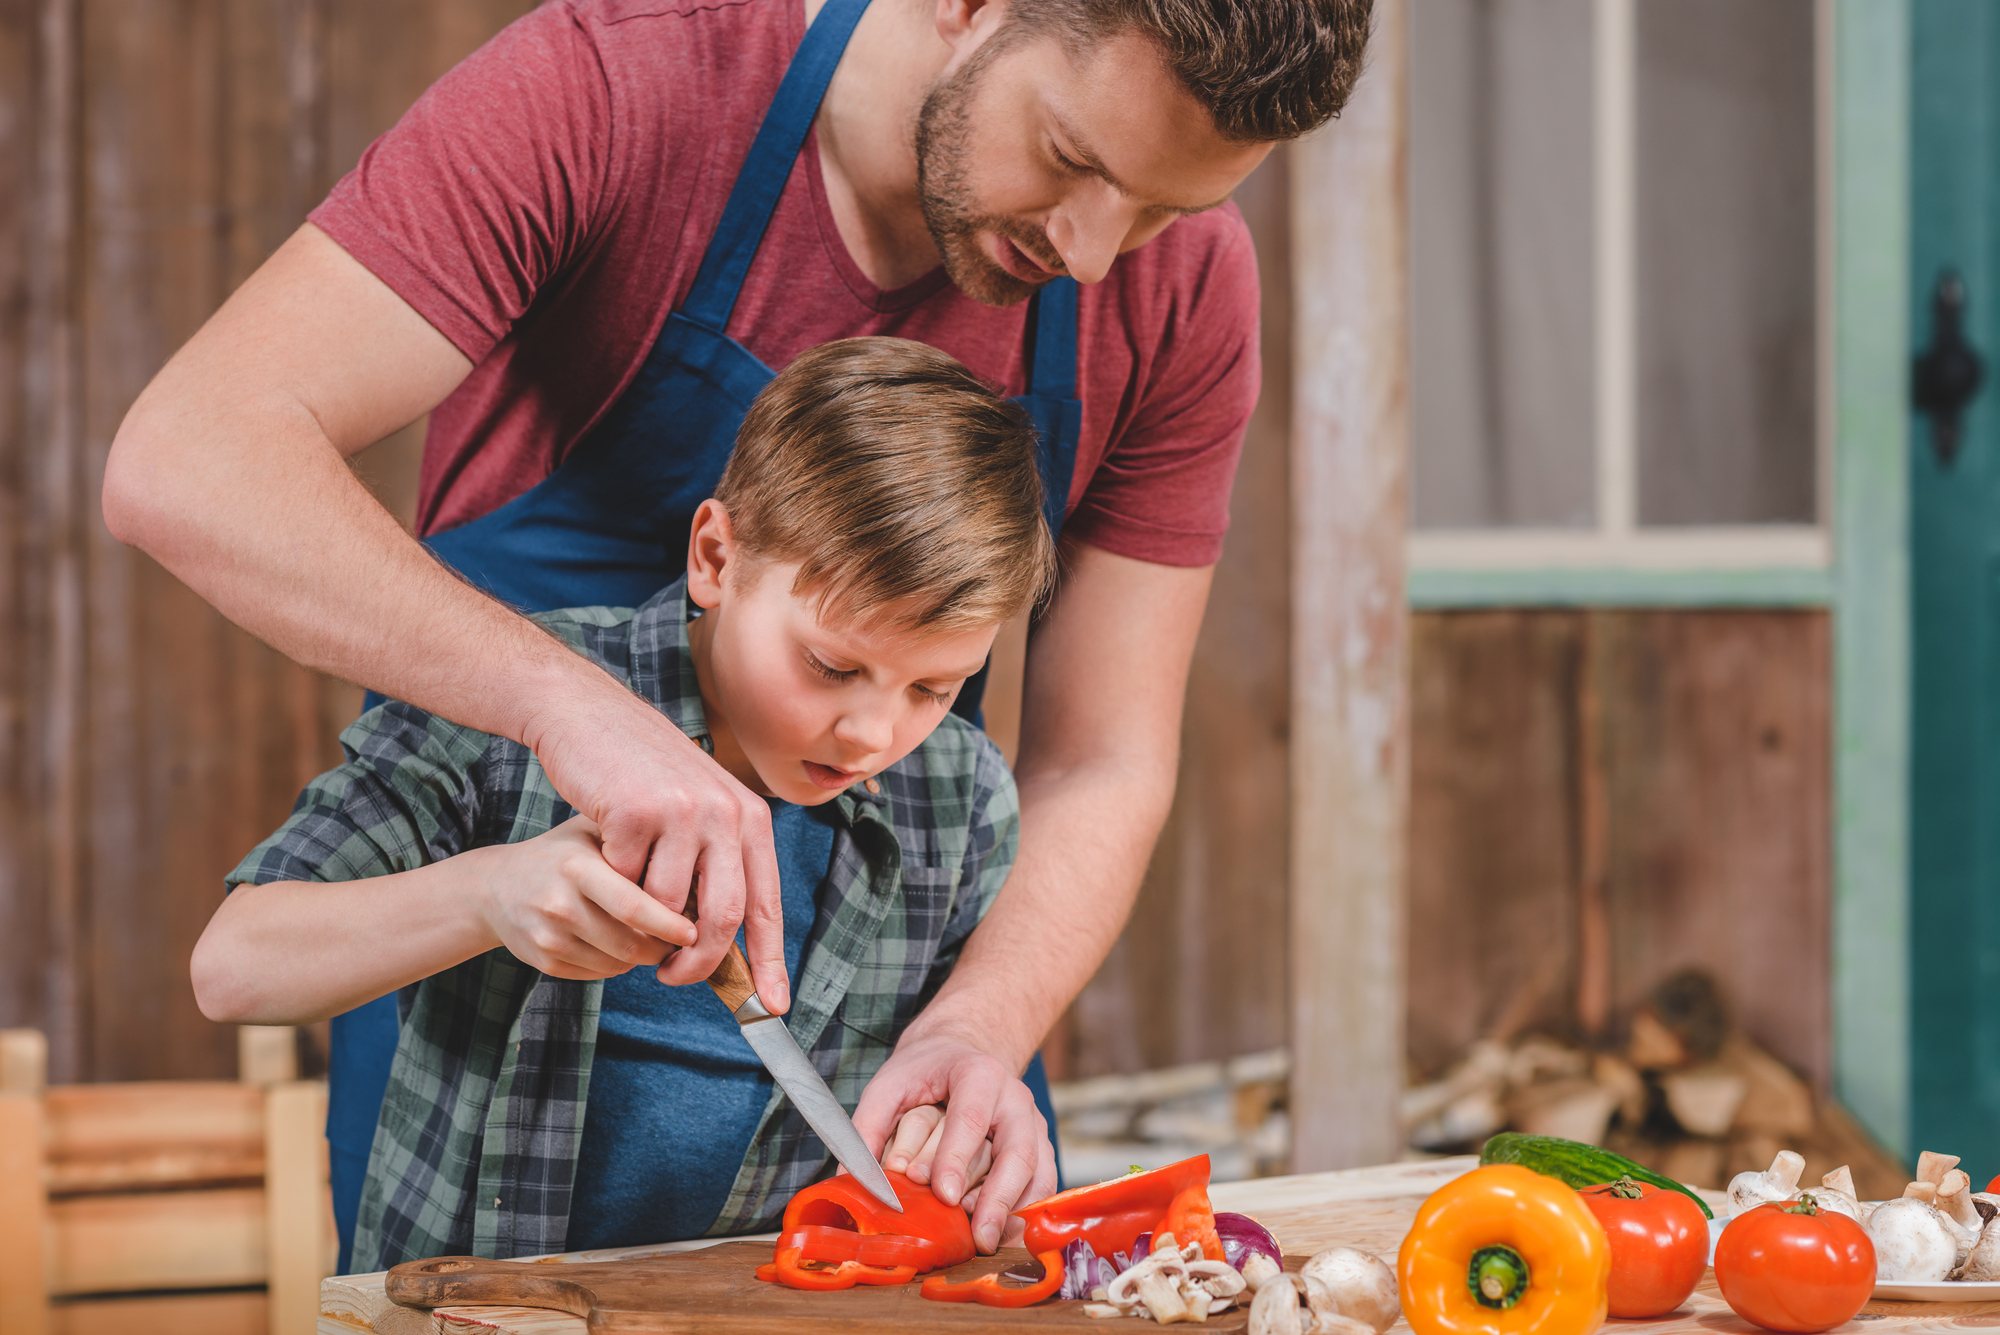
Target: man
<point>586,248</point>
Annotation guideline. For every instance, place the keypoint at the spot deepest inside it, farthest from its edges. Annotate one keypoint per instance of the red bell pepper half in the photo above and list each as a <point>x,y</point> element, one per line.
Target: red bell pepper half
<point>836,1235</point>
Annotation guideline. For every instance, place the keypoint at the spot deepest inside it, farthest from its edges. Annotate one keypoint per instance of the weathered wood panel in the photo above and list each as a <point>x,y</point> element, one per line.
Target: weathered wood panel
<point>1493,827</point>
<point>152,155</point>
<point>1678,761</point>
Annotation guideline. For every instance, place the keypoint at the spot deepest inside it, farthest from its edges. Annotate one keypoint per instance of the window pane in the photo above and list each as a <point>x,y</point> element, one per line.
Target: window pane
<point>1726,277</point>
<point>1500,259</point>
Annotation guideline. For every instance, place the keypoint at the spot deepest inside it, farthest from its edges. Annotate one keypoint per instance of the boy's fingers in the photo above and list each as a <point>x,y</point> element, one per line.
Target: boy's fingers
<point>635,908</point>
<point>625,945</point>
<point>914,1135</point>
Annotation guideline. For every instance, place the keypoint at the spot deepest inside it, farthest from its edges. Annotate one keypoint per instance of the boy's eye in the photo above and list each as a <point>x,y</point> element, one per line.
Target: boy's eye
<point>830,673</point>
<point>935,697</point>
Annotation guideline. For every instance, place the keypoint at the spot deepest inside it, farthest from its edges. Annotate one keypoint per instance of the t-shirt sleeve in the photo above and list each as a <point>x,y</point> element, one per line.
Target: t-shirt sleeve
<point>488,185</point>
<point>1161,494</point>
<point>407,795</point>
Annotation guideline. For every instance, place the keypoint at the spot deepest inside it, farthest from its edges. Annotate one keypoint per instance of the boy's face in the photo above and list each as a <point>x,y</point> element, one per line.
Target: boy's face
<point>809,709</point>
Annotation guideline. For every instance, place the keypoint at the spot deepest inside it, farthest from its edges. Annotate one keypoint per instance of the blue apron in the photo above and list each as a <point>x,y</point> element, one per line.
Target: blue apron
<point>610,526</point>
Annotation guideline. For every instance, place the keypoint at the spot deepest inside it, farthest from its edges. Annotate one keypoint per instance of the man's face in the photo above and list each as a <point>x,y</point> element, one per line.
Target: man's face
<point>1032,162</point>
<point>817,708</point>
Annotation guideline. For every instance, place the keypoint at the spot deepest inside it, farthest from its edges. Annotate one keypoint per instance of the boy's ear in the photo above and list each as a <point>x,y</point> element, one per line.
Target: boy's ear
<point>711,547</point>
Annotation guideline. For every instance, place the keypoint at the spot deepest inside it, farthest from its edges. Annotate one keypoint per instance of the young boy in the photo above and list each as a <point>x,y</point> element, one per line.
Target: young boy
<point>879,520</point>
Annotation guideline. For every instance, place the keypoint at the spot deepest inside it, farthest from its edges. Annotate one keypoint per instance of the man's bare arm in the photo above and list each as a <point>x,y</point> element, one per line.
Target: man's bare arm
<point>231,471</point>
<point>1100,740</point>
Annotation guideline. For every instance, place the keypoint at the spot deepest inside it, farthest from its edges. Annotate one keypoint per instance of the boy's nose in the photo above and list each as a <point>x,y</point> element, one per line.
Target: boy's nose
<point>866,732</point>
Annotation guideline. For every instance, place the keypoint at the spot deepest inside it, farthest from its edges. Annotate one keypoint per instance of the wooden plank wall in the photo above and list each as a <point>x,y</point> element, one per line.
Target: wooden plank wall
<point>150,156</point>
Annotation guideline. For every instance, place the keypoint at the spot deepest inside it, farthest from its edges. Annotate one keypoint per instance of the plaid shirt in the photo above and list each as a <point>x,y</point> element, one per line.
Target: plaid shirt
<point>477,1145</point>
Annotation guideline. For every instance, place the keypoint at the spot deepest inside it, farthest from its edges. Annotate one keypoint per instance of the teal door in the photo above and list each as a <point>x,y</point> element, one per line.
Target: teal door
<point>1954,965</point>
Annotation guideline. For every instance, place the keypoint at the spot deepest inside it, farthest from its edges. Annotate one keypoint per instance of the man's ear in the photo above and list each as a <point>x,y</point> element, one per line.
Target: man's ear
<point>711,547</point>
<point>963,21</point>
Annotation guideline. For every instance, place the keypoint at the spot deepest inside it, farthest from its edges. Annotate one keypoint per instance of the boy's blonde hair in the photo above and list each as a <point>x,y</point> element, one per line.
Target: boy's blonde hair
<point>907,491</point>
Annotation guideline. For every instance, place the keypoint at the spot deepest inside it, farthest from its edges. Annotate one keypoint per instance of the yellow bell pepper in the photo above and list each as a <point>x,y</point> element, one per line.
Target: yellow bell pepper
<point>1504,1251</point>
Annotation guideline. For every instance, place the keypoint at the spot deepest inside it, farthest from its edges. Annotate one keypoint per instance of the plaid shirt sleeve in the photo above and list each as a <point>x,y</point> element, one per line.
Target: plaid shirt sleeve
<point>407,795</point>
<point>992,840</point>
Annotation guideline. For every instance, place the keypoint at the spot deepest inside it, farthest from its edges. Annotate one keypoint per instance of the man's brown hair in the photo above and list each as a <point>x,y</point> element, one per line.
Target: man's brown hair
<point>907,491</point>
<point>1266,69</point>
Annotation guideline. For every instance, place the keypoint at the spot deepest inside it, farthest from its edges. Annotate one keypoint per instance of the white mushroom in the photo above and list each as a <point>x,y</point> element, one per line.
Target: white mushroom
<point>1276,1311</point>
<point>1983,1262</point>
<point>1259,1270</point>
<point>1914,1242</point>
<point>1954,1201</point>
<point>1779,1182</point>
<point>1174,1283</point>
<point>1836,1193</point>
<point>1345,1281</point>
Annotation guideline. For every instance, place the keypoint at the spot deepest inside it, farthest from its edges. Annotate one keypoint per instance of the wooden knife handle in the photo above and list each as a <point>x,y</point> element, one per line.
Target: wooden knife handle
<point>447,1281</point>
<point>731,979</point>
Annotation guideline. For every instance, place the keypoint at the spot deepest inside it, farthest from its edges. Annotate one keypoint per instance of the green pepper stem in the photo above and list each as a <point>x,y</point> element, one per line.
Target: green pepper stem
<point>1498,1276</point>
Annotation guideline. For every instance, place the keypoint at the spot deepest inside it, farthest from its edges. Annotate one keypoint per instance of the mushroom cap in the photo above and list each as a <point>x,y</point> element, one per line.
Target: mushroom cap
<point>1276,1311</point>
<point>1348,1282</point>
<point>1914,1242</point>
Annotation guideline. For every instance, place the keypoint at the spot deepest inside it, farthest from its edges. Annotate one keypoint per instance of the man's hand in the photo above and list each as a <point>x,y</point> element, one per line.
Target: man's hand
<point>983,1100</point>
<point>669,816</point>
<point>557,907</point>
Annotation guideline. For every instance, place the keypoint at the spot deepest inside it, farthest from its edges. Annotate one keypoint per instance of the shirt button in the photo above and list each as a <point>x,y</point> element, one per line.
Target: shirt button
<point>871,786</point>
<point>496,1202</point>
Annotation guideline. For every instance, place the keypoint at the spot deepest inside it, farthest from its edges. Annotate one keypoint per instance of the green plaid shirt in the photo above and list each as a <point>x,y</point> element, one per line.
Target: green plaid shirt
<point>477,1145</point>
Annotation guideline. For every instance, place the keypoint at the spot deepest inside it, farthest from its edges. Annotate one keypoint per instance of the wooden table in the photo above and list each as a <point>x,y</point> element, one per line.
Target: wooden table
<point>1367,1207</point>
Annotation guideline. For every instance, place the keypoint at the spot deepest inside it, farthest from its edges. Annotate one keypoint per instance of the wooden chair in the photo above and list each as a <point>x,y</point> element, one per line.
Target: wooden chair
<point>172,1207</point>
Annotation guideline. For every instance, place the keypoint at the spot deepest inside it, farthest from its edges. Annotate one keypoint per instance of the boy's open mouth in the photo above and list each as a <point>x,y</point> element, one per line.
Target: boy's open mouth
<point>826,776</point>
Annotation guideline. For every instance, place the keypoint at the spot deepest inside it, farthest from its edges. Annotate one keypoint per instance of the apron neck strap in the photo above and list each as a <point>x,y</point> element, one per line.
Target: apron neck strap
<point>1052,371</point>
<point>769,164</point>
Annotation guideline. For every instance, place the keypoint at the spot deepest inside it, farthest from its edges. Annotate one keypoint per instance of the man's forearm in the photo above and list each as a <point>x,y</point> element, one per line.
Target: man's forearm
<point>1086,836</point>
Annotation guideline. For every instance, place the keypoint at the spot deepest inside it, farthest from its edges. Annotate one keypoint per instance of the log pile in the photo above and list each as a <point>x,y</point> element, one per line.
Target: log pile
<point>1685,1092</point>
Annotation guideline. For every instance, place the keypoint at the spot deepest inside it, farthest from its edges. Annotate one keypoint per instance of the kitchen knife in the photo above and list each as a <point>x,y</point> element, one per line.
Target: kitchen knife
<point>786,1061</point>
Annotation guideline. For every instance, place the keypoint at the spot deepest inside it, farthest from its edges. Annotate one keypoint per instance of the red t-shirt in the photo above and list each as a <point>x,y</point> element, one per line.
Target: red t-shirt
<point>547,203</point>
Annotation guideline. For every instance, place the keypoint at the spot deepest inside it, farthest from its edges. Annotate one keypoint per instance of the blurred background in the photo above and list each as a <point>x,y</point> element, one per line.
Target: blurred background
<point>1594,728</point>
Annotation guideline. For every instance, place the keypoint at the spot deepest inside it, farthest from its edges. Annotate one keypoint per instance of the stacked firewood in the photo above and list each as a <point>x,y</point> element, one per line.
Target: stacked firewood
<point>1685,1092</point>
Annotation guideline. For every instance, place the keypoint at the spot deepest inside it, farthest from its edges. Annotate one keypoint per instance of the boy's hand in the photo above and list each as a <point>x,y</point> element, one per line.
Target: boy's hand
<point>984,1100</point>
<point>557,905</point>
<point>913,1148</point>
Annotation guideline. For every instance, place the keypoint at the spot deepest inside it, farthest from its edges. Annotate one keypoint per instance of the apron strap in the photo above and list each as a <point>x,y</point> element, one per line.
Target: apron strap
<point>1053,370</point>
<point>1052,393</point>
<point>769,164</point>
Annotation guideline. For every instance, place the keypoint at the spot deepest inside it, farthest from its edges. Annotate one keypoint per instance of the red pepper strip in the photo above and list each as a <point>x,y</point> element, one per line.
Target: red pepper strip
<point>828,1245</point>
<point>993,1291</point>
<point>1110,1216</point>
<point>791,1270</point>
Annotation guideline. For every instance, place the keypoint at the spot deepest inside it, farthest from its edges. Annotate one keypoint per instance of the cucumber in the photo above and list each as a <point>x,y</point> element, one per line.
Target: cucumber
<point>1576,1163</point>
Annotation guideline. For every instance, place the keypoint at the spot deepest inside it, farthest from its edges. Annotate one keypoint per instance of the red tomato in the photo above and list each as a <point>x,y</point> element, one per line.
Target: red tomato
<point>1793,1267</point>
<point>1659,1245</point>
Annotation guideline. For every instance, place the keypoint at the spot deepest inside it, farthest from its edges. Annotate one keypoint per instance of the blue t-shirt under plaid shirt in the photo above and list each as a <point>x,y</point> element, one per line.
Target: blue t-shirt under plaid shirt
<point>477,1147</point>
<point>675,1092</point>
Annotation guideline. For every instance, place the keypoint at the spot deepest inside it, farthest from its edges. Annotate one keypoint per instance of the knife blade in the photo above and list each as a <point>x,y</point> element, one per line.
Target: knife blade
<point>787,1063</point>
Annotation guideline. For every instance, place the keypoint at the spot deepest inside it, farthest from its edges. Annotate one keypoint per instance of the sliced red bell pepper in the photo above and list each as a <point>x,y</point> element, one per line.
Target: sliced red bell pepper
<point>1109,1216</point>
<point>993,1291</point>
<point>837,1235</point>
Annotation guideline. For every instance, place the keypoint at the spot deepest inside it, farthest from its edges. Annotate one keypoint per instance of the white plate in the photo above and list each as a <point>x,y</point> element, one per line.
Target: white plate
<point>1968,1291</point>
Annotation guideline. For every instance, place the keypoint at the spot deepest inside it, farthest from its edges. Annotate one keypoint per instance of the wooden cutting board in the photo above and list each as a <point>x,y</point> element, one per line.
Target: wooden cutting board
<point>716,1289</point>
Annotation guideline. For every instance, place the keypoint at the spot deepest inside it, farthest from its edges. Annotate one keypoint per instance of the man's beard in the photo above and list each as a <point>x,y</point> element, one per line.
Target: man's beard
<point>944,126</point>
